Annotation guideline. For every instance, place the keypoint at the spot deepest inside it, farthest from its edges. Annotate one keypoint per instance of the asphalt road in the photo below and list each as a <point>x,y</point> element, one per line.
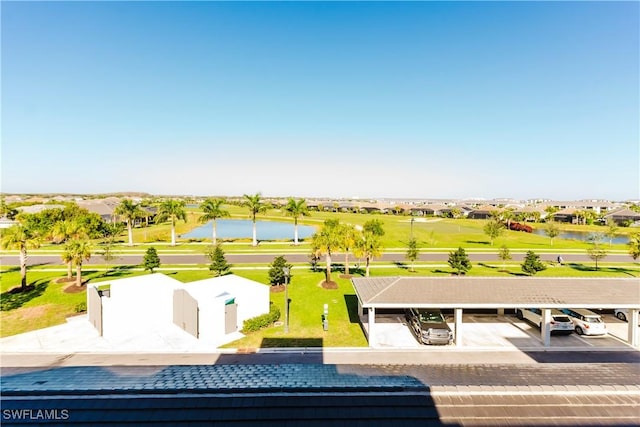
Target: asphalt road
<point>261,258</point>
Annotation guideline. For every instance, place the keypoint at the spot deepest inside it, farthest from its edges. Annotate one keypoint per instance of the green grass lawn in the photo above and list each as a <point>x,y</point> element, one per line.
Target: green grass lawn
<point>432,234</point>
<point>48,304</point>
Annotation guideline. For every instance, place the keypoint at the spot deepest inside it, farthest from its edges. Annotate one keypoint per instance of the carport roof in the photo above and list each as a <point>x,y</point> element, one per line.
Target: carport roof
<point>497,292</point>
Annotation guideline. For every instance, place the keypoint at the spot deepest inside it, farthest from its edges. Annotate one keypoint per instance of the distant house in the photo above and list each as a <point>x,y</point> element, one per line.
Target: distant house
<point>320,205</point>
<point>103,207</point>
<point>370,207</point>
<point>597,206</point>
<point>529,213</point>
<point>623,216</point>
<point>565,215</point>
<point>435,209</point>
<point>34,209</point>
<point>417,210</point>
<point>482,212</point>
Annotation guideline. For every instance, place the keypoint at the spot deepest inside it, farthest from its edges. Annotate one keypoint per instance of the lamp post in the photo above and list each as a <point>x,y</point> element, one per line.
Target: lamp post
<point>285,270</point>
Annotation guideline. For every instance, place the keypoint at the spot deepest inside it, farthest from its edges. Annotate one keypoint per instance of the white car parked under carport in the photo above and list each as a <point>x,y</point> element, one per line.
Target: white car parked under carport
<point>622,314</point>
<point>560,322</point>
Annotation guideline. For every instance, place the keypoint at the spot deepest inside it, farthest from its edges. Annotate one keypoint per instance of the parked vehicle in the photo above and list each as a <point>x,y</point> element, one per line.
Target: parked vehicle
<point>560,323</point>
<point>586,322</point>
<point>621,313</point>
<point>429,326</point>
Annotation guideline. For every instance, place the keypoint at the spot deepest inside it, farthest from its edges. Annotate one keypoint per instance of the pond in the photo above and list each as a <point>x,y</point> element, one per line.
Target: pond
<point>582,235</point>
<point>243,229</point>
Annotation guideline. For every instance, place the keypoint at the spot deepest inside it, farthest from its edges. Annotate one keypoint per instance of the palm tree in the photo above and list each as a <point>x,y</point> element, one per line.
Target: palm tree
<point>508,215</point>
<point>21,238</point>
<point>580,215</point>
<point>296,208</point>
<point>634,245</point>
<point>79,250</point>
<point>212,209</point>
<point>536,216</point>
<point>62,231</point>
<point>255,205</point>
<point>130,212</point>
<point>326,241</point>
<point>67,258</point>
<point>348,236</point>
<point>368,246</point>
<point>172,210</point>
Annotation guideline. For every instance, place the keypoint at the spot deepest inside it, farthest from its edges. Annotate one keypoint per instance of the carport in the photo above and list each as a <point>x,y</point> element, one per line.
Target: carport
<point>500,293</point>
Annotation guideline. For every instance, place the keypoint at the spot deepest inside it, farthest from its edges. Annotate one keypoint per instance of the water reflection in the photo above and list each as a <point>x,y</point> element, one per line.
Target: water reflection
<point>583,236</point>
<point>243,229</point>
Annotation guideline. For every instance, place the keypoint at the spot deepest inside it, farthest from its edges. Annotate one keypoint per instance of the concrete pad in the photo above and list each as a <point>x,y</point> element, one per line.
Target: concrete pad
<point>496,332</point>
<point>78,335</point>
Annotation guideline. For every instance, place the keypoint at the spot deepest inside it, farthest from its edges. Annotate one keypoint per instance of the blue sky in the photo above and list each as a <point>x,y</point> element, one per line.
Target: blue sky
<point>416,99</point>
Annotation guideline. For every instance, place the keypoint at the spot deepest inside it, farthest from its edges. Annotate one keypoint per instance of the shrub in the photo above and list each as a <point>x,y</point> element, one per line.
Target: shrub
<point>459,261</point>
<point>256,323</point>
<point>532,263</point>
<point>516,226</point>
<point>219,265</point>
<point>151,259</point>
<point>81,307</point>
<point>276,272</point>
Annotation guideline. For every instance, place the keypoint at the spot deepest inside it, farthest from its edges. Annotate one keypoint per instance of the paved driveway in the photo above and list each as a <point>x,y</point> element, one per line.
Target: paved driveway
<point>499,332</point>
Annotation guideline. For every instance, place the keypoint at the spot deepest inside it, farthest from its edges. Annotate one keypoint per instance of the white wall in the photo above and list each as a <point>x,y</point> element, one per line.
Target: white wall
<point>146,303</point>
<point>138,302</point>
<point>251,297</point>
<point>211,320</point>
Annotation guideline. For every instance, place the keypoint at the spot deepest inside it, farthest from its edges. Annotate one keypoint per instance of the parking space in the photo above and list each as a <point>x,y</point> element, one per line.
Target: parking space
<point>498,332</point>
<point>392,332</point>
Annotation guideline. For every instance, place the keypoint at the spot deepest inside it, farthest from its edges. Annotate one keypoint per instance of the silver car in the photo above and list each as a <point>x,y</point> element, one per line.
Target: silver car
<point>429,326</point>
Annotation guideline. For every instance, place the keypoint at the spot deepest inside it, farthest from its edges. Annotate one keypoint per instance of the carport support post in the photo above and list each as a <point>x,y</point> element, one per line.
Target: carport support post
<point>457,316</point>
<point>372,322</point>
<point>360,309</point>
<point>633,327</point>
<point>545,329</point>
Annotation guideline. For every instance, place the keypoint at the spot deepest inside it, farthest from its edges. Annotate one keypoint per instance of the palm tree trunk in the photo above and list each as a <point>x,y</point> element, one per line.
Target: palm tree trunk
<point>255,240</point>
<point>79,275</point>
<point>69,270</point>
<point>346,262</point>
<point>23,267</point>
<point>367,269</point>
<point>130,231</point>
<point>295,231</point>
<point>173,233</point>
<point>328,260</point>
<point>214,232</point>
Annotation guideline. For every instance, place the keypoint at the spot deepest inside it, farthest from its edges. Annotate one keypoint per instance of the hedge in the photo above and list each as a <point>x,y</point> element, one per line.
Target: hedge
<point>262,321</point>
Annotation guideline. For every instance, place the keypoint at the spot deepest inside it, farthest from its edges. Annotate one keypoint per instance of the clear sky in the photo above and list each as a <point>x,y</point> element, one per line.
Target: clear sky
<point>415,99</point>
